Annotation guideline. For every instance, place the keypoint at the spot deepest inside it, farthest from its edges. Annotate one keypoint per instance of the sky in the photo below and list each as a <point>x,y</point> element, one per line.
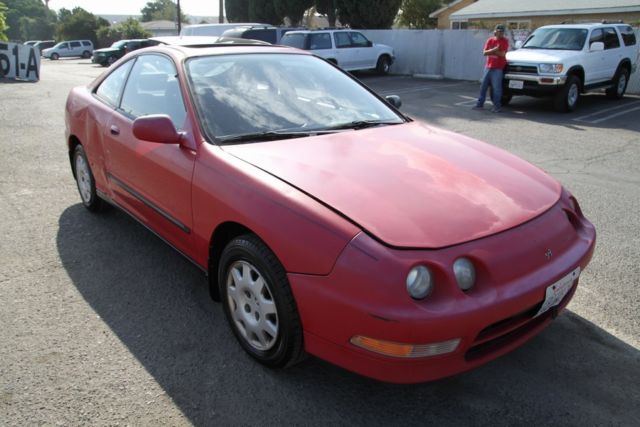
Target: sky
<point>133,7</point>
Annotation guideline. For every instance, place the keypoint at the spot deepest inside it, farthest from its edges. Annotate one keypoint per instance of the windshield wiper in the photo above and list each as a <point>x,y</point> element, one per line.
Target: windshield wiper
<point>271,135</point>
<point>361,124</point>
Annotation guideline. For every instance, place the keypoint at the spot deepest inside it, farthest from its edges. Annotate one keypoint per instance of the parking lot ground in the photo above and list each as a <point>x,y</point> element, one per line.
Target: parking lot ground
<point>101,323</point>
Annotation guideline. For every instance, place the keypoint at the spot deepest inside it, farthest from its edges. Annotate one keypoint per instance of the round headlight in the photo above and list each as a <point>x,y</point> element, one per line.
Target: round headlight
<point>465,273</point>
<point>419,282</point>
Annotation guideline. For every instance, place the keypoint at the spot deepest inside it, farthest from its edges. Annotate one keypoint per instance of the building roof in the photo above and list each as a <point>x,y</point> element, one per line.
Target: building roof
<point>511,8</point>
<point>159,25</point>
<point>443,8</point>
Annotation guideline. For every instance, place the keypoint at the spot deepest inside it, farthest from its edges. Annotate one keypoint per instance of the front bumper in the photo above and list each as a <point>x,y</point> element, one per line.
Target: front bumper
<point>365,295</point>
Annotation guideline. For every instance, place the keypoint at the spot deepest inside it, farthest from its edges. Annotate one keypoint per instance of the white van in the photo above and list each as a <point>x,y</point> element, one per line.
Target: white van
<point>82,48</point>
<point>213,29</point>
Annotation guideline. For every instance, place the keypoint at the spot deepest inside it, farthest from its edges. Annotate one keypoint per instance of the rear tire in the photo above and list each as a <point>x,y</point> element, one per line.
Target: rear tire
<point>86,54</point>
<point>620,82</point>
<point>567,99</point>
<point>85,181</point>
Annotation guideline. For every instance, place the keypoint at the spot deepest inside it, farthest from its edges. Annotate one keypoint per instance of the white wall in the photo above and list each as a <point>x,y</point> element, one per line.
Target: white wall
<point>452,54</point>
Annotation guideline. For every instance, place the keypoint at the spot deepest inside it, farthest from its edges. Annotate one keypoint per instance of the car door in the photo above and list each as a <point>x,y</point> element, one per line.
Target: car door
<point>344,50</point>
<point>364,55</point>
<point>594,60</point>
<point>613,53</point>
<point>75,49</point>
<point>151,180</point>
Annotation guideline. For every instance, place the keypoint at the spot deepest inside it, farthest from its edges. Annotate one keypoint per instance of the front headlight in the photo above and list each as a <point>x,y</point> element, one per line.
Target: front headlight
<point>550,68</point>
<point>465,273</point>
<point>419,282</point>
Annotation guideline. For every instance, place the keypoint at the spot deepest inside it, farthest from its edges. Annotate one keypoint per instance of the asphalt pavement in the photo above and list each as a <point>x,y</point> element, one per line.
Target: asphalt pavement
<point>101,323</point>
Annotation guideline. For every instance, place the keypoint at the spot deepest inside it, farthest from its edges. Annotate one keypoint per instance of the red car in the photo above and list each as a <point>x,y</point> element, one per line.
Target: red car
<point>327,221</point>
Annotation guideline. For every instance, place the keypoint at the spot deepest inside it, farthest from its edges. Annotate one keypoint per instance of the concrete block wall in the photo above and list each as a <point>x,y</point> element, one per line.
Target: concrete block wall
<point>450,54</point>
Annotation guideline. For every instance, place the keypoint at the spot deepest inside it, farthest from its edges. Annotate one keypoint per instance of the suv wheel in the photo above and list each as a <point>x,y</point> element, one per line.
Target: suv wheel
<point>111,59</point>
<point>620,82</point>
<point>567,99</point>
<point>384,64</point>
<point>86,54</point>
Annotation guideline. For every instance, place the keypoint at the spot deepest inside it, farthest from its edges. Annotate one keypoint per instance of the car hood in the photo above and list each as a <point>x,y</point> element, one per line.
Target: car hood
<point>540,55</point>
<point>106,50</point>
<point>410,185</point>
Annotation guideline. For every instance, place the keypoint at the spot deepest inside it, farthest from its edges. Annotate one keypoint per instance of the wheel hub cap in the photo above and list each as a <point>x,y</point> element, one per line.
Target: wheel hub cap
<point>252,306</point>
<point>83,177</point>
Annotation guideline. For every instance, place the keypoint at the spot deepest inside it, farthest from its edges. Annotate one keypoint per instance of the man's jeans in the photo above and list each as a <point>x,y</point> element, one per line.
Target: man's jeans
<point>492,77</point>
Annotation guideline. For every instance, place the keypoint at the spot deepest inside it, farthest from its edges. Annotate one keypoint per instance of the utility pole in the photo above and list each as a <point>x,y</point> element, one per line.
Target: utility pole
<point>179,23</point>
<point>221,13</point>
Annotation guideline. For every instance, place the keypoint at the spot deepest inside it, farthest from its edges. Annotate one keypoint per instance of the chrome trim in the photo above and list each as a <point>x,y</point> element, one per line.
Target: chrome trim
<point>149,204</point>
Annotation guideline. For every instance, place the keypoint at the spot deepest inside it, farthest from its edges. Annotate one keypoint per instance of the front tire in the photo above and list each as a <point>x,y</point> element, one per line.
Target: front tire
<point>620,82</point>
<point>110,60</point>
<point>85,181</point>
<point>259,304</point>
<point>55,56</point>
<point>567,99</point>
<point>384,65</point>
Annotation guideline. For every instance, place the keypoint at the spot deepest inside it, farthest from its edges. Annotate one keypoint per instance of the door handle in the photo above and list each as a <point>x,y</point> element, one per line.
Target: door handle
<point>114,130</point>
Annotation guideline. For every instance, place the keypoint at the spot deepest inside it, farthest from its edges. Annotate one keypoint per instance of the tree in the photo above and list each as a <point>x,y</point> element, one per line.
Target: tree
<point>161,10</point>
<point>237,10</point>
<point>3,23</point>
<point>372,14</point>
<point>415,13</point>
<point>78,24</point>
<point>293,9</point>
<point>129,29</point>
<point>264,11</point>
<point>327,7</point>
<point>41,27</point>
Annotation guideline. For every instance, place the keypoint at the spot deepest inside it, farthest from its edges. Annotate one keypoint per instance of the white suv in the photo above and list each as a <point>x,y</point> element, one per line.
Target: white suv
<point>564,61</point>
<point>349,49</point>
<point>82,48</point>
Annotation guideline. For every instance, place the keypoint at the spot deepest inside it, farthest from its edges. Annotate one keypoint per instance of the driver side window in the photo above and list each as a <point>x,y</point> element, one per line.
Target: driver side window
<point>153,88</point>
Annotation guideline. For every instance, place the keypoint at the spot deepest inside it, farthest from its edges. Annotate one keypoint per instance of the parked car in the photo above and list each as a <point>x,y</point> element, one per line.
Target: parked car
<point>327,221</point>
<point>108,55</point>
<point>30,42</point>
<point>71,48</point>
<point>44,44</point>
<point>349,49</point>
<point>214,29</point>
<point>565,61</point>
<point>266,33</point>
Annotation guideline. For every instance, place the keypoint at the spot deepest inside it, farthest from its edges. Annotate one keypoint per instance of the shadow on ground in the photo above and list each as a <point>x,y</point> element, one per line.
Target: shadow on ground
<point>157,304</point>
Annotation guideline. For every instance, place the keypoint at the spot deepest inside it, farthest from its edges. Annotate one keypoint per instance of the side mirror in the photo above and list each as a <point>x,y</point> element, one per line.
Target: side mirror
<point>156,128</point>
<point>394,100</point>
<point>369,43</point>
<point>519,44</point>
<point>596,47</point>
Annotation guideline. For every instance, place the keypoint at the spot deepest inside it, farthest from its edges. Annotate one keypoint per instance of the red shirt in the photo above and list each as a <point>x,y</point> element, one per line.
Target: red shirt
<point>494,61</point>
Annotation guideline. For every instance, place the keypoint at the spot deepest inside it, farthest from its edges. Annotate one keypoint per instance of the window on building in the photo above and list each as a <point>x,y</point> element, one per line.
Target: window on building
<point>459,25</point>
<point>523,24</point>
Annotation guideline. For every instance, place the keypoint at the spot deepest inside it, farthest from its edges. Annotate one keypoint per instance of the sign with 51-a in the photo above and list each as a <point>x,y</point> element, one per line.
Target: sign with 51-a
<point>19,62</point>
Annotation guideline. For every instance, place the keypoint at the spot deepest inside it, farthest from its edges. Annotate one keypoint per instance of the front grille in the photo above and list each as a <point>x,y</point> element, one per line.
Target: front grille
<point>522,69</point>
<point>502,333</point>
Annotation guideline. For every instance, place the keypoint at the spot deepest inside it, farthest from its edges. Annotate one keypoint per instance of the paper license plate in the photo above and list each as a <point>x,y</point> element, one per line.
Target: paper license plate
<point>516,84</point>
<point>557,291</point>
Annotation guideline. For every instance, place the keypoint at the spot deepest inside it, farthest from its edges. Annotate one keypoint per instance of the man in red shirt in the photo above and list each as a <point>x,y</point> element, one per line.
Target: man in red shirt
<point>495,50</point>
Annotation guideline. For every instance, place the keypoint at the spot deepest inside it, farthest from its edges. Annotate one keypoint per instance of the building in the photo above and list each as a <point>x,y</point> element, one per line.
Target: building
<point>161,28</point>
<point>529,15</point>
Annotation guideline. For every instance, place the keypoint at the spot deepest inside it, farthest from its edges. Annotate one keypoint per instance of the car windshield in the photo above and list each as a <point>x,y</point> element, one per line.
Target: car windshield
<point>119,44</point>
<point>557,39</point>
<point>269,95</point>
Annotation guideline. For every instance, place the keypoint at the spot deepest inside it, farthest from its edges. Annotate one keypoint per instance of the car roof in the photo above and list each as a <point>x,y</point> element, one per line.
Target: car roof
<point>205,41</point>
<point>317,30</point>
<point>587,25</point>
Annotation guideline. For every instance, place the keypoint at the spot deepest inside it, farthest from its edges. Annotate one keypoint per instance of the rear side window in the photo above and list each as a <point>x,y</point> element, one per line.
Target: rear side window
<point>86,43</point>
<point>111,88</point>
<point>611,40</point>
<point>320,41</point>
<point>628,36</point>
<point>294,40</point>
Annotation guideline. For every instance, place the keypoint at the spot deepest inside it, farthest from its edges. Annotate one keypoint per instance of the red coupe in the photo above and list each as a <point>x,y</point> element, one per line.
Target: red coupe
<point>327,221</point>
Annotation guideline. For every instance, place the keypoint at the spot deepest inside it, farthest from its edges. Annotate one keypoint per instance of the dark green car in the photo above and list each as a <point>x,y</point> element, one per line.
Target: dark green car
<point>109,55</point>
